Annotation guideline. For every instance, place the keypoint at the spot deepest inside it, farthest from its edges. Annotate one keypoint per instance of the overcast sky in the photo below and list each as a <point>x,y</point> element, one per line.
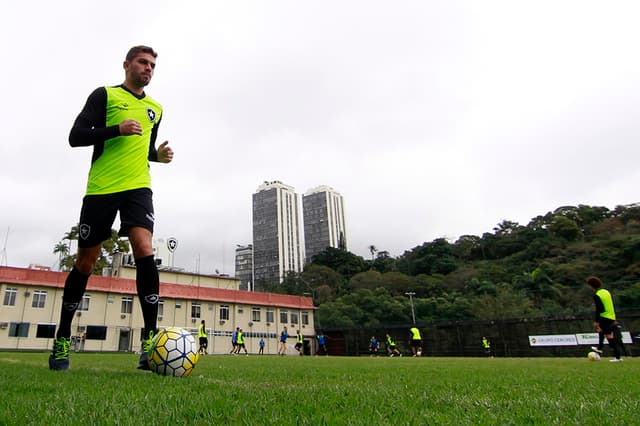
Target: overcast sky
<point>432,118</point>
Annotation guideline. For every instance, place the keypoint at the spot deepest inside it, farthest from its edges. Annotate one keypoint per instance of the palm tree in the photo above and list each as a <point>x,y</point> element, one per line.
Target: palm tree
<point>62,250</point>
<point>373,251</point>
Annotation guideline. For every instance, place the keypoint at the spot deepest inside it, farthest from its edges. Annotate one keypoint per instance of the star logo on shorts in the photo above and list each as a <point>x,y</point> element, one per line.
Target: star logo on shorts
<point>152,298</point>
<point>152,114</point>
<point>84,231</point>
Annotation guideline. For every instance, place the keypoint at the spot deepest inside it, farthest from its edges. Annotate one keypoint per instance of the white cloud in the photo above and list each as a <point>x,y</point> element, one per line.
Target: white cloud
<point>433,119</point>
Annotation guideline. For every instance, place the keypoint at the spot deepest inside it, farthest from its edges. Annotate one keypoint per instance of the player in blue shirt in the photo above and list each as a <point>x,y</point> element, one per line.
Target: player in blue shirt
<point>373,346</point>
<point>284,335</point>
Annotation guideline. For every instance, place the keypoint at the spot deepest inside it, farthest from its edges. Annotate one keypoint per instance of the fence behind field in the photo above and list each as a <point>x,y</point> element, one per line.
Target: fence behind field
<point>508,338</point>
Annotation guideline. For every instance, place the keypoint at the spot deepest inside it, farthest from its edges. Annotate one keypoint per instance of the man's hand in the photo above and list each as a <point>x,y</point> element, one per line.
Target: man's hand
<point>165,153</point>
<point>130,127</point>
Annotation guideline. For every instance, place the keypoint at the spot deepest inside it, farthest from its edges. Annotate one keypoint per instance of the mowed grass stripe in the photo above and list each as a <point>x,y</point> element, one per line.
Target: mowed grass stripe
<point>255,390</point>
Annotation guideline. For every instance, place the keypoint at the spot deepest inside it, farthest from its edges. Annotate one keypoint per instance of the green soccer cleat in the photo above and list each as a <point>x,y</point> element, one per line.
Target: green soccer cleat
<point>59,358</point>
<point>147,349</point>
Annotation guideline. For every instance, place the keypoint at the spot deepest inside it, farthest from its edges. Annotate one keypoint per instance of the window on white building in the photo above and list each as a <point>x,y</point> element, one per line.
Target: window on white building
<point>255,314</point>
<point>224,312</point>
<point>195,310</point>
<point>84,303</point>
<point>39,299</point>
<point>127,305</point>
<point>10,296</point>
<point>19,329</point>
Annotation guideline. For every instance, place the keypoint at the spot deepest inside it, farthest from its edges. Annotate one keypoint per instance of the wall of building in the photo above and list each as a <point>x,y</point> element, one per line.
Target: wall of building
<point>122,328</point>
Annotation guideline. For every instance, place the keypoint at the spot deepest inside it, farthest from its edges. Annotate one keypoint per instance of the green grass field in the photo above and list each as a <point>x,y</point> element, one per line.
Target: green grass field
<point>254,390</point>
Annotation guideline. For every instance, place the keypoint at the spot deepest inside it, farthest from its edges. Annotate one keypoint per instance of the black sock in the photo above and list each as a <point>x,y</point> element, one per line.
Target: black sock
<point>600,341</point>
<point>613,342</point>
<point>74,287</point>
<point>148,286</point>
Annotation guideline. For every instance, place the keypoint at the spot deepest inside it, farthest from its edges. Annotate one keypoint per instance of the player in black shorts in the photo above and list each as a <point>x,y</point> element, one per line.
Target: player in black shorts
<point>121,124</point>
<point>605,315</point>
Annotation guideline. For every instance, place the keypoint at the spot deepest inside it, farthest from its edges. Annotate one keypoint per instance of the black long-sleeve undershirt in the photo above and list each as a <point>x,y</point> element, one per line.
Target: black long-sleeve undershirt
<point>599,307</point>
<point>90,127</point>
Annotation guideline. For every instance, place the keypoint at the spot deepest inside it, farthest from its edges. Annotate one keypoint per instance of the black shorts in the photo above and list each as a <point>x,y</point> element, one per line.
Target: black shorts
<point>99,212</point>
<point>416,343</point>
<point>203,341</point>
<point>606,325</point>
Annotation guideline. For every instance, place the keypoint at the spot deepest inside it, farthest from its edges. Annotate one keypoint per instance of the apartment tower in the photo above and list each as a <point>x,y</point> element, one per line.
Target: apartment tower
<point>324,221</point>
<point>277,234</point>
<point>244,266</point>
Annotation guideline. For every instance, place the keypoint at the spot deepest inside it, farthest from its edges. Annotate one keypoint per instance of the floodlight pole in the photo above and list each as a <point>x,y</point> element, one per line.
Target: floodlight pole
<point>313,297</point>
<point>413,314</point>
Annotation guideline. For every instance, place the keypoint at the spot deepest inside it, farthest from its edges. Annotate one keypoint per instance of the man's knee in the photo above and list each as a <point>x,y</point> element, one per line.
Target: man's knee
<point>86,259</point>
<point>141,242</point>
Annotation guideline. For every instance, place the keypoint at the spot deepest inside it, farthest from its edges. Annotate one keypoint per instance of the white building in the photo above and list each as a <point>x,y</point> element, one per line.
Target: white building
<point>110,319</point>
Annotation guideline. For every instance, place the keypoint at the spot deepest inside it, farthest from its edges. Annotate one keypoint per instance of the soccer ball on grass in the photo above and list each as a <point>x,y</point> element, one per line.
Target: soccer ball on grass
<point>174,352</point>
<point>593,356</point>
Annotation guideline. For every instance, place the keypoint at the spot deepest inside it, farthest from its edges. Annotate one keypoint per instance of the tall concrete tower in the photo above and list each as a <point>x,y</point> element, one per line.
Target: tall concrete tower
<point>277,234</point>
<point>324,220</point>
<point>244,266</point>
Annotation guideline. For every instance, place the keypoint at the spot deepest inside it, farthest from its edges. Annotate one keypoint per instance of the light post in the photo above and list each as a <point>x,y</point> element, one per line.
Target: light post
<point>313,297</point>
<point>413,314</point>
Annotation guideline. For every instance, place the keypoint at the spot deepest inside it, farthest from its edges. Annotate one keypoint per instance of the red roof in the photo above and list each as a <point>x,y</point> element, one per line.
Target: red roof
<point>39,278</point>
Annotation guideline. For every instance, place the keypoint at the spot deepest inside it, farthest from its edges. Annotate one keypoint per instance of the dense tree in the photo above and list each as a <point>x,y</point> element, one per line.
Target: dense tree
<point>566,228</point>
<point>115,244</point>
<point>505,304</point>
<point>512,272</point>
<point>384,262</point>
<point>344,262</point>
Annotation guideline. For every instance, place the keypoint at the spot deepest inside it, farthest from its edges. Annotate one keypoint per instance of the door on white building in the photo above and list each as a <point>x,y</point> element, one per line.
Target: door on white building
<point>124,343</point>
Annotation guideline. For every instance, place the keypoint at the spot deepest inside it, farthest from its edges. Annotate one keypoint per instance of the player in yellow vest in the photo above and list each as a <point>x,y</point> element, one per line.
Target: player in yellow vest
<point>486,346</point>
<point>202,337</point>
<point>391,346</point>
<point>241,342</point>
<point>299,343</point>
<point>416,341</point>
<point>121,124</point>
<point>605,315</point>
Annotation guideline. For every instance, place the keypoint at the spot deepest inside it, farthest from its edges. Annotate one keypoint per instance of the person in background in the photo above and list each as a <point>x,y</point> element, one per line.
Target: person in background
<point>486,346</point>
<point>261,350</point>
<point>240,344</point>
<point>284,335</point>
<point>299,343</point>
<point>322,344</point>
<point>605,315</point>
<point>416,341</point>
<point>203,339</point>
<point>373,346</point>
<point>392,350</point>
<point>234,341</point>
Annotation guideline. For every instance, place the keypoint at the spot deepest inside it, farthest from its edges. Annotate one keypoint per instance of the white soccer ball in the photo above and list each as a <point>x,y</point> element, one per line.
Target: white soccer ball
<point>419,352</point>
<point>593,356</point>
<point>175,352</point>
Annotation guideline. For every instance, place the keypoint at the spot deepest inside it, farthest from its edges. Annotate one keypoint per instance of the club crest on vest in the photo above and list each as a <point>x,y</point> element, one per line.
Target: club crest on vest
<point>151,113</point>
